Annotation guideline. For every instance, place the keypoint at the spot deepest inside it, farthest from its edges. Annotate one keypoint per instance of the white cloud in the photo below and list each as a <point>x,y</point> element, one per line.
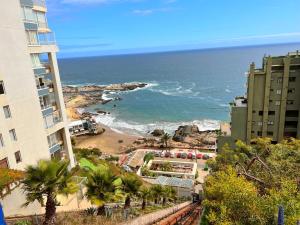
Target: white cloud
<point>88,2</point>
<point>146,12</point>
<point>264,36</point>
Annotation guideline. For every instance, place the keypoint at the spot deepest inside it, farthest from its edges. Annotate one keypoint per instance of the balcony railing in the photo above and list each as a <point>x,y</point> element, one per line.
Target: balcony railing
<point>41,3</point>
<point>47,38</point>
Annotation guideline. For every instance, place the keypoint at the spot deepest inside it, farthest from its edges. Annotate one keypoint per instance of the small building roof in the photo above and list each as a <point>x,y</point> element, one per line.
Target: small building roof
<point>174,182</point>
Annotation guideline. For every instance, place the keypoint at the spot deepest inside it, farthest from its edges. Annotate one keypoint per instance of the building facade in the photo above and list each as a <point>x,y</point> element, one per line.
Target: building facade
<point>33,122</point>
<point>272,103</point>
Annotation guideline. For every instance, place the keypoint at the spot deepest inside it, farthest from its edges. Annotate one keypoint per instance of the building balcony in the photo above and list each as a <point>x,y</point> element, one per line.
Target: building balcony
<point>54,148</point>
<point>46,110</point>
<point>39,5</point>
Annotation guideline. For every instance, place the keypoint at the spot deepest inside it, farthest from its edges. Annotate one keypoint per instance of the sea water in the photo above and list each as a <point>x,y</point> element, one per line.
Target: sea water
<point>185,87</point>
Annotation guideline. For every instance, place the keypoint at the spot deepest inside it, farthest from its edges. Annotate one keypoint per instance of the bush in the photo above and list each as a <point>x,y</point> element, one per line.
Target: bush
<point>23,222</point>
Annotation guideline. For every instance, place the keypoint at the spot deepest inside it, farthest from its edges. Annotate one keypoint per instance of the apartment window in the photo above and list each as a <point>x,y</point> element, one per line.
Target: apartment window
<point>12,134</point>
<point>259,123</point>
<point>28,14</point>
<point>253,111</point>
<point>289,102</point>
<point>32,37</point>
<point>270,113</point>
<point>1,141</point>
<point>41,19</point>
<point>6,110</point>
<point>292,113</point>
<point>52,140</point>
<point>2,89</point>
<point>270,133</point>
<point>277,103</point>
<point>279,80</point>
<point>291,90</point>
<point>260,113</point>
<point>259,133</point>
<point>292,79</point>
<point>270,100</point>
<point>44,101</point>
<point>291,124</point>
<point>271,89</point>
<point>270,123</point>
<point>18,157</point>
<point>278,91</point>
<point>35,59</point>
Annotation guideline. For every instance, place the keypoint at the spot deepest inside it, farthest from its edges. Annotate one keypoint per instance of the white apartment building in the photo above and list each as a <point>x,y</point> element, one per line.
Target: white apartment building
<point>33,122</point>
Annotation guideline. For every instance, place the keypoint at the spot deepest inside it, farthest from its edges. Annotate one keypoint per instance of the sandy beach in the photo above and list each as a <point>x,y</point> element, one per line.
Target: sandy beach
<point>108,142</point>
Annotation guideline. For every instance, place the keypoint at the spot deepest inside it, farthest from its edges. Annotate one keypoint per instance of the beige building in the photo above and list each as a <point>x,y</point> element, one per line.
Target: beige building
<point>272,103</point>
<point>33,123</point>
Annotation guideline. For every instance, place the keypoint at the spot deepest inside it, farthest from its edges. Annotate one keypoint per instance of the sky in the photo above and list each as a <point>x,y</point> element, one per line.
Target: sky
<point>103,27</point>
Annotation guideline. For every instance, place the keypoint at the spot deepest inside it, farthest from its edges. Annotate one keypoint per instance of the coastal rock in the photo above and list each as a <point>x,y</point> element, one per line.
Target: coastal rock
<point>184,131</point>
<point>158,132</point>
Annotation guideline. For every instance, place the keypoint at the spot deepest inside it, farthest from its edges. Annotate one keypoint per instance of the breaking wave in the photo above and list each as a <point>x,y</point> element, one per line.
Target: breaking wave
<point>142,129</point>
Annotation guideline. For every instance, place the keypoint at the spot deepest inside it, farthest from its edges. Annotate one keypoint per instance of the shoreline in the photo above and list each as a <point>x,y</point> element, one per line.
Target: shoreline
<point>121,136</point>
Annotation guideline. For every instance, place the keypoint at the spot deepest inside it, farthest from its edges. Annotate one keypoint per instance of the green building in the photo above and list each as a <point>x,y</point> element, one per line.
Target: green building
<point>272,103</point>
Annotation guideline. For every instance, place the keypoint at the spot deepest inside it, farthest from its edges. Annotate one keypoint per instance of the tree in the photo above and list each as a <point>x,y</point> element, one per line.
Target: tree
<point>165,139</point>
<point>131,185</point>
<point>231,199</point>
<point>168,193</point>
<point>156,192</point>
<point>145,194</point>
<point>47,180</point>
<point>149,156</point>
<point>103,186</point>
<point>262,171</point>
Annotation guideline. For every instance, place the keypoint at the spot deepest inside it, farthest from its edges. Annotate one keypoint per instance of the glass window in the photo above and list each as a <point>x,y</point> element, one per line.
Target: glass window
<point>52,140</point>
<point>13,135</point>
<point>32,37</point>
<point>6,110</point>
<point>35,59</point>
<point>28,14</point>
<point>278,91</point>
<point>277,103</point>
<point>2,90</point>
<point>18,156</point>
<point>292,79</point>
<point>1,141</point>
<point>41,19</point>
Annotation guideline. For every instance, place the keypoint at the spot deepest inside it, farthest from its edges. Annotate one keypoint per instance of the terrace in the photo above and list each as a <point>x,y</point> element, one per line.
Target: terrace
<point>178,169</point>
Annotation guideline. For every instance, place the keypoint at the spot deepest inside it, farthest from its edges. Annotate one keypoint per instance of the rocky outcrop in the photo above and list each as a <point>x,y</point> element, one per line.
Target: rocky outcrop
<point>183,131</point>
<point>101,88</point>
<point>158,132</point>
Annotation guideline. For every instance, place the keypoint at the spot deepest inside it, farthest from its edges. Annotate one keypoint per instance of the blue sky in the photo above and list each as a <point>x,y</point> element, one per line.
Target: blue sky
<point>101,27</point>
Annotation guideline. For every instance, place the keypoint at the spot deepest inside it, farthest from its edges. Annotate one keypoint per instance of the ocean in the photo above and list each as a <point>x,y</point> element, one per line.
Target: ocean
<point>185,87</point>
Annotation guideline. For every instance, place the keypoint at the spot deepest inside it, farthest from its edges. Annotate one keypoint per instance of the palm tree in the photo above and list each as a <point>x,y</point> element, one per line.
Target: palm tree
<point>144,193</point>
<point>102,186</point>
<point>131,184</point>
<point>156,192</point>
<point>168,193</point>
<point>165,139</point>
<point>149,156</point>
<point>47,180</point>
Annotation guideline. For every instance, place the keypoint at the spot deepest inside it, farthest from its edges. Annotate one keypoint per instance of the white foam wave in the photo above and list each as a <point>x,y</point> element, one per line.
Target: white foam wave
<point>224,105</point>
<point>105,96</point>
<point>139,128</point>
<point>227,90</point>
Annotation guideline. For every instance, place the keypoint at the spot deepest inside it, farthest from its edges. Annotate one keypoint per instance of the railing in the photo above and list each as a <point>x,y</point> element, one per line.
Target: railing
<point>41,3</point>
<point>47,38</point>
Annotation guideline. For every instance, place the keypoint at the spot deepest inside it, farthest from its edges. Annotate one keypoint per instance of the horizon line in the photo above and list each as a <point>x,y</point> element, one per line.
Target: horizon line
<point>178,50</point>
